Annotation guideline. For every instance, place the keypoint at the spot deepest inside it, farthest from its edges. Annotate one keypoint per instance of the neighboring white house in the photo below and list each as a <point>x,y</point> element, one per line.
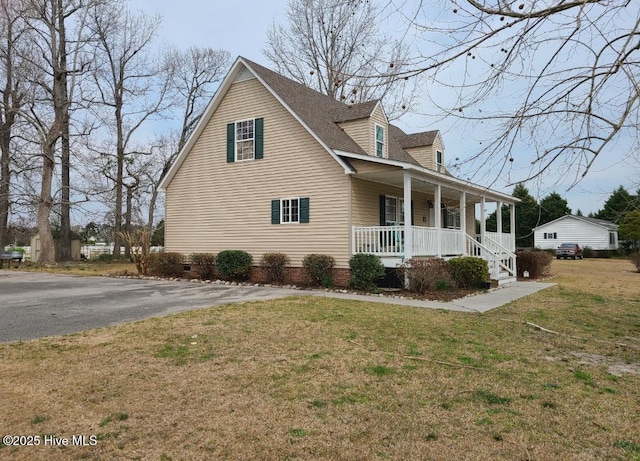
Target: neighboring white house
<point>586,232</point>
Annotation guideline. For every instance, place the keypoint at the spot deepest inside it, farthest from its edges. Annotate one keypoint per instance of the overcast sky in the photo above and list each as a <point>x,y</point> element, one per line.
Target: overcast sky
<point>241,28</point>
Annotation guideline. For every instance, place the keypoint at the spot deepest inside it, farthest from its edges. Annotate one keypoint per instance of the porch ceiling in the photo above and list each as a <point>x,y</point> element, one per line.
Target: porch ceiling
<point>395,177</point>
<point>391,172</point>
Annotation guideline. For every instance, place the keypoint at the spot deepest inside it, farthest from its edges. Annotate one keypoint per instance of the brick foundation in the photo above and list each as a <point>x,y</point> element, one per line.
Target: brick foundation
<point>296,276</point>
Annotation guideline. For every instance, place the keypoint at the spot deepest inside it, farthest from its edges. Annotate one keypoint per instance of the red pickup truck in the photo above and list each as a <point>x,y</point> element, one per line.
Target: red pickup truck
<point>569,250</point>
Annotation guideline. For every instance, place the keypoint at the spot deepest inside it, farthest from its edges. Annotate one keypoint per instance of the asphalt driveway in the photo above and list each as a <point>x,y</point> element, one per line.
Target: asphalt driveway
<point>35,305</point>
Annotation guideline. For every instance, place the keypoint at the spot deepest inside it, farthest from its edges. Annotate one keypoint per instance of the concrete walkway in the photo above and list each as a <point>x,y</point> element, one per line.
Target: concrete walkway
<point>477,303</point>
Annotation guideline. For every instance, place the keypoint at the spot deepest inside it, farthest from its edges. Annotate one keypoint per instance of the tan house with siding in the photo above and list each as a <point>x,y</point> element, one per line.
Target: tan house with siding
<point>274,166</point>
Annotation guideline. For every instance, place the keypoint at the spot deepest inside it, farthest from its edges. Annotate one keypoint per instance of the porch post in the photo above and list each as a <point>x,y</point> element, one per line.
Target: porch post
<point>499,219</point>
<point>437,212</point>
<point>512,209</point>
<point>463,221</point>
<point>483,223</point>
<point>408,235</point>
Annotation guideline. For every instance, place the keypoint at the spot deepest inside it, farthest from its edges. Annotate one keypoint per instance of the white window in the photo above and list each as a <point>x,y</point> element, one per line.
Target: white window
<point>290,210</point>
<point>379,141</point>
<point>439,162</point>
<point>612,238</point>
<point>394,210</point>
<point>245,145</point>
<point>452,218</point>
<point>550,235</point>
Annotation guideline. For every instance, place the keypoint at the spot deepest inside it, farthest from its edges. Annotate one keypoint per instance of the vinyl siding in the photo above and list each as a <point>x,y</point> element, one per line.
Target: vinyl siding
<point>426,155</point>
<point>571,230</point>
<point>366,203</point>
<point>212,205</point>
<point>358,130</point>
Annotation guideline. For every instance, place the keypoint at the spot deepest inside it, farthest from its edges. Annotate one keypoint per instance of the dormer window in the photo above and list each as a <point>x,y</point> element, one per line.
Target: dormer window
<point>439,165</point>
<point>379,141</point>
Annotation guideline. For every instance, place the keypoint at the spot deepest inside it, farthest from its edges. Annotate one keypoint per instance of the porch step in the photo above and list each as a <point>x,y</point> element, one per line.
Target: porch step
<point>505,278</point>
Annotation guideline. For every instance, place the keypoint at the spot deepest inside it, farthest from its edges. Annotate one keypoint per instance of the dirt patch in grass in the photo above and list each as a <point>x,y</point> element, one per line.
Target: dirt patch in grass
<point>315,378</point>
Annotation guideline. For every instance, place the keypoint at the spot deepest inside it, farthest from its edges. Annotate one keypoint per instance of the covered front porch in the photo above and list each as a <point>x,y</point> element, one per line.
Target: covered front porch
<point>437,219</point>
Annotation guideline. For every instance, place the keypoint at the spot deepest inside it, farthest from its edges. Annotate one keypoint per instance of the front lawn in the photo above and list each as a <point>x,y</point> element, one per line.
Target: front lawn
<point>315,378</point>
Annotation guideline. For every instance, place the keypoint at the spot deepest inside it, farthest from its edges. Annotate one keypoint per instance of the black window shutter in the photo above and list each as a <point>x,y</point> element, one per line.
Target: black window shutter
<point>231,140</point>
<point>383,210</point>
<point>275,211</point>
<point>259,141</point>
<point>304,210</point>
<point>413,220</point>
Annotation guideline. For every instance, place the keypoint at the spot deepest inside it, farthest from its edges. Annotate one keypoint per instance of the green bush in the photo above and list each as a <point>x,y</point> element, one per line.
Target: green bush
<point>536,263</point>
<point>587,252</point>
<point>427,274</point>
<point>166,264</point>
<point>275,266</point>
<point>204,264</point>
<point>635,259</point>
<point>469,271</point>
<point>365,270</point>
<point>234,264</point>
<point>318,269</point>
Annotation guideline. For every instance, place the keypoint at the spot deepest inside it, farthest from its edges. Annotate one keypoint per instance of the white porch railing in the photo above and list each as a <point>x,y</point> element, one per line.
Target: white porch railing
<point>389,241</point>
<point>379,240</point>
<point>506,241</point>
<point>506,257</point>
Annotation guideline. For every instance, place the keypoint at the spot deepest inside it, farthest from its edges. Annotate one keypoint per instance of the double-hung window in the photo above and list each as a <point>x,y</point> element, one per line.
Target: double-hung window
<point>290,210</point>
<point>550,235</point>
<point>394,211</point>
<point>439,162</point>
<point>379,141</point>
<point>245,141</point>
<point>293,210</point>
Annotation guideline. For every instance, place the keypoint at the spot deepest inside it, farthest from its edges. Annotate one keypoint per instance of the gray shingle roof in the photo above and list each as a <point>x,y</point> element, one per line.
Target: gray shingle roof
<point>425,138</point>
<point>322,113</point>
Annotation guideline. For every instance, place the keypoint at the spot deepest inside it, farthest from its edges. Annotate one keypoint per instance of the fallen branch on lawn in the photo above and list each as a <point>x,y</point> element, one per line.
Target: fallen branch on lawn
<point>546,330</point>
<point>449,364</point>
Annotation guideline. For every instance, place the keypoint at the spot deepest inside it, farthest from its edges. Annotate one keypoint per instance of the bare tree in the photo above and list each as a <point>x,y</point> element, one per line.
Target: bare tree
<point>127,83</point>
<point>13,91</point>
<point>48,19</point>
<point>194,73</point>
<point>335,47</point>
<point>559,76</point>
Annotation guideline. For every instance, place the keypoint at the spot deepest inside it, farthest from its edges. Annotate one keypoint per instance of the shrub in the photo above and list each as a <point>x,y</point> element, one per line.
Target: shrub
<point>166,264</point>
<point>105,258</point>
<point>139,242</point>
<point>318,269</point>
<point>204,264</point>
<point>469,271</point>
<point>537,263</point>
<point>275,265</point>
<point>234,264</point>
<point>635,259</point>
<point>587,252</point>
<point>427,274</point>
<point>365,270</point>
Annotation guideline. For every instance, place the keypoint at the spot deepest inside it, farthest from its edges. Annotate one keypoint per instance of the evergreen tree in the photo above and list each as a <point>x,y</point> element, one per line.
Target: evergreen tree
<point>553,206</point>
<point>619,203</point>
<point>527,216</point>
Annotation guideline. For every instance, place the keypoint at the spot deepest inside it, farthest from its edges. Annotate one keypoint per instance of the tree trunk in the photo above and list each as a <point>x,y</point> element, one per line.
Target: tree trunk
<point>5,181</point>
<point>65,205</point>
<point>48,251</point>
